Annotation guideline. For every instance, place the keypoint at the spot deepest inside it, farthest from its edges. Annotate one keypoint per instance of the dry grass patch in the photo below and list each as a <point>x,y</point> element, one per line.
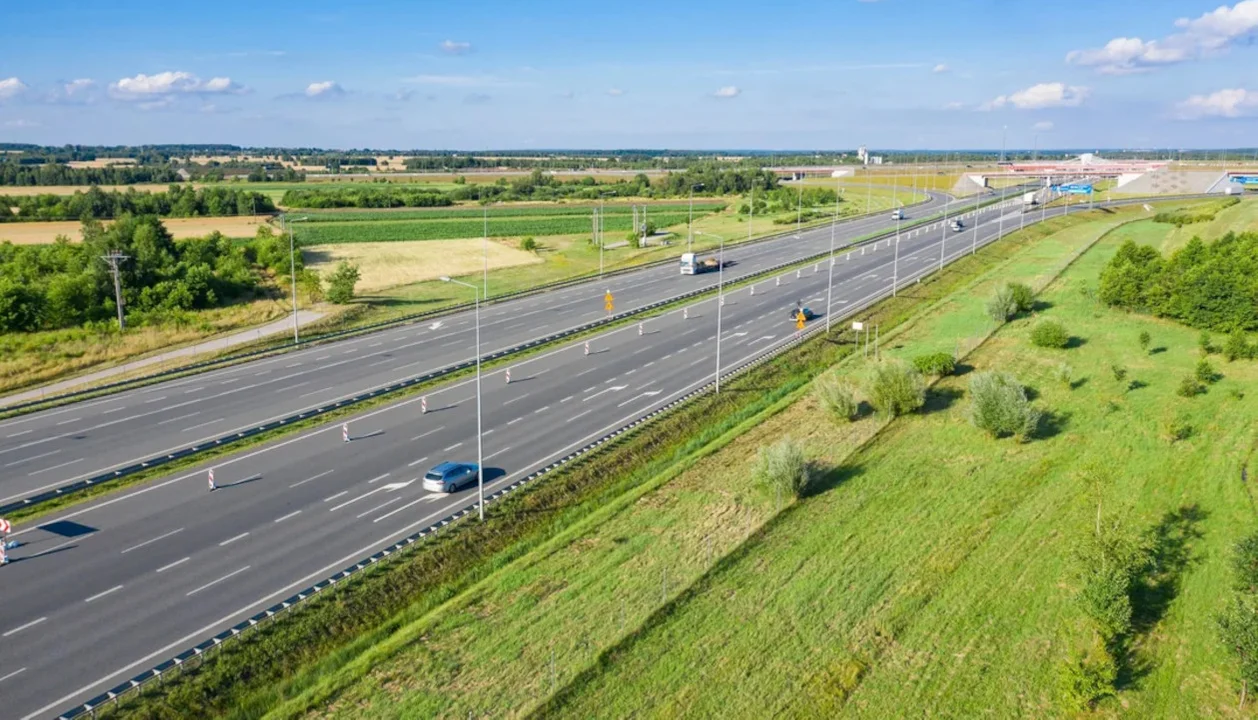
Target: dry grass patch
<point>390,264</point>
<point>100,163</point>
<point>36,233</point>
<point>9,190</point>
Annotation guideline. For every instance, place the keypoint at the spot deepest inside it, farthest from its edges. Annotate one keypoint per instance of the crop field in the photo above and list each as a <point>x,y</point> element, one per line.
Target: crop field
<point>514,210</point>
<point>394,230</point>
<point>929,574</point>
<point>389,264</point>
<point>34,233</point>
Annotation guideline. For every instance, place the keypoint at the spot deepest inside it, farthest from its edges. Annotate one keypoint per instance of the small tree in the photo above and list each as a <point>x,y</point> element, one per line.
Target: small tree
<point>1203,343</point>
<point>1063,374</point>
<point>311,284</point>
<point>1145,339</point>
<point>1087,676</point>
<point>528,244</point>
<point>1189,387</point>
<point>342,281</point>
<point>1002,306</point>
<point>1110,564</point>
<point>1023,298</point>
<point>1238,628</point>
<point>1050,334</point>
<point>1237,346</point>
<point>838,397</point>
<point>1204,371</point>
<point>782,467</point>
<point>940,364</point>
<point>896,388</point>
<point>999,405</point>
<point>1245,564</point>
<point>1119,372</point>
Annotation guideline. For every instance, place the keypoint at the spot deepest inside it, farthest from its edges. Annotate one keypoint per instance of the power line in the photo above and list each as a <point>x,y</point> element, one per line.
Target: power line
<point>114,258</point>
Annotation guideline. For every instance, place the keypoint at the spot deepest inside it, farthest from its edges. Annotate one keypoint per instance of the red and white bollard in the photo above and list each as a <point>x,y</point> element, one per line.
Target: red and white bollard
<point>816,267</point>
<point>796,273</point>
<point>423,405</point>
<point>345,432</point>
<point>4,554</point>
<point>587,347</point>
<point>722,301</point>
<point>753,289</point>
<point>640,330</point>
<point>685,313</point>
<point>213,487</point>
<point>508,376</point>
<point>777,281</point>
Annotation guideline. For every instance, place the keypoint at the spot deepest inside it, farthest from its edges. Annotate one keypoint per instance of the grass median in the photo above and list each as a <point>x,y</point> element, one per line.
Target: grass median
<point>281,659</point>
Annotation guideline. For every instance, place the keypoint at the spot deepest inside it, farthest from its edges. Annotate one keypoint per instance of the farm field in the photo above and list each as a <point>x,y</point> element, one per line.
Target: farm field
<point>9,190</point>
<point>512,210</point>
<point>909,575</point>
<point>382,230</point>
<point>34,233</point>
<point>389,264</point>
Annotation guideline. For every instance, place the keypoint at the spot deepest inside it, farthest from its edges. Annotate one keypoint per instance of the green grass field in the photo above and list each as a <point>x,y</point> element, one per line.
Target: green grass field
<point>928,576</point>
<point>1166,238</point>
<point>557,209</point>
<point>389,230</point>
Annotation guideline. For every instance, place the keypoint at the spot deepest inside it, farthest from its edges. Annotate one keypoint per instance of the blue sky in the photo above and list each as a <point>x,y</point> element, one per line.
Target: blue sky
<point>935,74</point>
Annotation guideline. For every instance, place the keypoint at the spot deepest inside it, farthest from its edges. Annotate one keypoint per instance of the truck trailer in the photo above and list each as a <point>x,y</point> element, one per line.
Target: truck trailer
<point>692,264</point>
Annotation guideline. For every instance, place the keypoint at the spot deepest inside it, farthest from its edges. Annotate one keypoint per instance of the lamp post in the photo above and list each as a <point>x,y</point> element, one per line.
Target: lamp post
<point>690,224</point>
<point>292,270</point>
<point>834,221</point>
<point>720,289</point>
<point>943,232</point>
<point>799,209</point>
<point>480,450</point>
<point>895,263</point>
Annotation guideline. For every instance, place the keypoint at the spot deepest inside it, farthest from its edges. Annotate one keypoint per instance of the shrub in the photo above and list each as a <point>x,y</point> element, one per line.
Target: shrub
<point>1204,372</point>
<point>1050,334</point>
<point>1119,372</point>
<point>940,363</point>
<point>1238,628</point>
<point>837,397</point>
<point>1111,562</point>
<point>896,389</point>
<point>1145,339</point>
<point>782,467</point>
<point>1063,374</point>
<point>528,244</point>
<point>1002,305</point>
<point>1245,564</point>
<point>1086,677</point>
<point>999,405</point>
<point>1237,346</point>
<point>1022,296</point>
<point>1177,428</point>
<point>1203,343</point>
<point>1189,387</point>
<point>341,283</point>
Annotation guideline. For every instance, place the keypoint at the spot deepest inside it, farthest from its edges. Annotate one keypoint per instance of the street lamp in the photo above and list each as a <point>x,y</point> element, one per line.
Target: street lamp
<point>943,232</point>
<point>480,450</point>
<point>292,270</point>
<point>895,265</point>
<point>690,224</point>
<point>834,221</point>
<point>720,297</point>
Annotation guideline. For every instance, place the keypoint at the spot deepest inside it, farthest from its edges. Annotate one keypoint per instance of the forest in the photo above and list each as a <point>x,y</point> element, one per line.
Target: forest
<point>178,201</point>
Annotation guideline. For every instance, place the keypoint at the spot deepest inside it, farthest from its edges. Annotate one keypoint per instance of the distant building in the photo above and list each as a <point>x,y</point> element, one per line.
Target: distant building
<point>874,160</point>
<point>863,155</point>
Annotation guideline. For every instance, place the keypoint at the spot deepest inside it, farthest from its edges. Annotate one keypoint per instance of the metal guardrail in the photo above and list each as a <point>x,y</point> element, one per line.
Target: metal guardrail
<point>201,650</point>
<point>237,436</point>
<point>34,405</point>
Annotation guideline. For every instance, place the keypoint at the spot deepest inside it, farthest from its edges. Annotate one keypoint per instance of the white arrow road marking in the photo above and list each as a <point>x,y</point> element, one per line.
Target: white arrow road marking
<point>436,326</point>
<point>613,388</point>
<point>763,337</point>
<point>397,485</point>
<point>649,393</point>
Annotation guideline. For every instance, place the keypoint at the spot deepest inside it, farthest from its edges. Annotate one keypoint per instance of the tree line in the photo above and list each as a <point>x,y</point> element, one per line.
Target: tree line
<point>67,284</point>
<point>178,201</point>
<point>1209,286</point>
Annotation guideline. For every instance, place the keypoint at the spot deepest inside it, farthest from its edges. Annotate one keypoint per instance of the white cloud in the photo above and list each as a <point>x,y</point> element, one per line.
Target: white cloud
<point>954,105</point>
<point>461,80</point>
<point>729,91</point>
<point>327,88</point>
<point>615,92</point>
<point>77,86</point>
<point>169,83</point>
<point>1043,95</point>
<point>11,87</point>
<point>451,47</point>
<point>1043,126</point>
<point>940,68</point>
<point>1211,33</point>
<point>20,123</point>
<point>1228,103</point>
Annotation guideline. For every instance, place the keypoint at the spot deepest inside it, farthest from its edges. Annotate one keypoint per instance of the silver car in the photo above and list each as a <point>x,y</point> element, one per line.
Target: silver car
<point>450,477</point>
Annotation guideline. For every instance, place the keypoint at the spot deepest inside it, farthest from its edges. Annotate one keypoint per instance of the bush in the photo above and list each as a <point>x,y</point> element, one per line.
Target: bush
<point>1086,677</point>
<point>1189,387</point>
<point>999,405</point>
<point>1203,343</point>
<point>837,397</point>
<point>1145,339</point>
<point>896,389</point>
<point>1023,298</point>
<point>1177,429</point>
<point>782,467</point>
<point>1238,628</point>
<point>341,283</point>
<point>1002,306</point>
<point>1050,334</point>
<point>528,244</point>
<point>1111,562</point>
<point>1237,346</point>
<point>1245,564</point>
<point>1204,371</point>
<point>1119,372</point>
<point>1063,374</point>
<point>940,364</point>
<point>1201,213</point>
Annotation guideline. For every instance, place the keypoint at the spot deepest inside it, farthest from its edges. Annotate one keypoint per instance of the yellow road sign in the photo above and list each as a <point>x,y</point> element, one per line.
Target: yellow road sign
<point>799,321</point>
<point>607,301</point>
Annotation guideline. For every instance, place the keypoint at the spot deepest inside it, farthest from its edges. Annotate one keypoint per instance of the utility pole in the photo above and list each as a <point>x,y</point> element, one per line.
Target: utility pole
<point>114,258</point>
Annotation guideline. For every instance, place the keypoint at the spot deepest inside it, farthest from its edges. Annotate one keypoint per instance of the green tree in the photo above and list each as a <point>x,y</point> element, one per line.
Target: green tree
<point>1023,298</point>
<point>999,405</point>
<point>1204,372</point>
<point>782,467</point>
<point>838,397</point>
<point>1110,563</point>
<point>1238,628</point>
<point>341,283</point>
<point>528,244</point>
<point>21,307</point>
<point>1237,346</point>
<point>1145,339</point>
<point>1050,334</point>
<point>1002,306</point>
<point>940,364</point>
<point>896,388</point>
<point>1245,564</point>
<point>1203,343</point>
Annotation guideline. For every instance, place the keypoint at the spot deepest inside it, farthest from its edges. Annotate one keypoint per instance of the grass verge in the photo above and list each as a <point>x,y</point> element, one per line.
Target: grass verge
<point>247,677</point>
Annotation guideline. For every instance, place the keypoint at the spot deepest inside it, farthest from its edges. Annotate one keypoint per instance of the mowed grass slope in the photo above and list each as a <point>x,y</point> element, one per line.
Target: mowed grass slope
<point>932,575</point>
<point>503,649</point>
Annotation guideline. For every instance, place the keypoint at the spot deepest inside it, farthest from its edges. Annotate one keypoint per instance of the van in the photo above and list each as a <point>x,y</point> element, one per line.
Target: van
<point>897,214</point>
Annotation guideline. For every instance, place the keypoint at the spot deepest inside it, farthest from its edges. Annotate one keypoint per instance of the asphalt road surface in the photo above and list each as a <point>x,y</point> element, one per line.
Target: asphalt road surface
<point>49,449</point>
<point>102,591</point>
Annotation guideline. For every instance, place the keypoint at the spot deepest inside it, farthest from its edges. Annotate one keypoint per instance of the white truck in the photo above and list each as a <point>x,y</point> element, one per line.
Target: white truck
<point>692,264</point>
<point>897,214</point>
<point>1029,199</point>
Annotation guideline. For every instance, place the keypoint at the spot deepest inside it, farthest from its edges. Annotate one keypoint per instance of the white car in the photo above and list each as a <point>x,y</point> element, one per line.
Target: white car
<point>450,477</point>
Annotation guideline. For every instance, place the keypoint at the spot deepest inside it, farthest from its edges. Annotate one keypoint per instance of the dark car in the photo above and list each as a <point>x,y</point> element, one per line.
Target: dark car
<point>450,477</point>
<point>808,313</point>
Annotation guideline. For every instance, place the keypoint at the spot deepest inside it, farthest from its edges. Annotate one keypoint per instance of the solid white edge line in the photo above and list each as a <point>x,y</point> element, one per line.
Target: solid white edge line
<point>212,583</point>
<point>98,596</point>
<point>150,542</point>
<point>174,564</point>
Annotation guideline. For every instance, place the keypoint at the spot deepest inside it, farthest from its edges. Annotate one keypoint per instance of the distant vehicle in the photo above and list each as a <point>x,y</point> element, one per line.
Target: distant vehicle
<point>1029,199</point>
<point>897,214</point>
<point>808,313</point>
<point>450,477</point>
<point>957,225</point>
<point>692,264</point>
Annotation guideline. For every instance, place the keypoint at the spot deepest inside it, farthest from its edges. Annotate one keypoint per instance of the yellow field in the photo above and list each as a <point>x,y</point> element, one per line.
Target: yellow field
<point>7,190</point>
<point>390,264</point>
<point>100,163</point>
<point>35,233</point>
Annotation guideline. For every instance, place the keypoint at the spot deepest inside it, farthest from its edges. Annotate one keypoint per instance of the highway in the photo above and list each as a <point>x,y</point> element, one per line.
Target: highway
<point>48,449</point>
<point>102,591</point>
